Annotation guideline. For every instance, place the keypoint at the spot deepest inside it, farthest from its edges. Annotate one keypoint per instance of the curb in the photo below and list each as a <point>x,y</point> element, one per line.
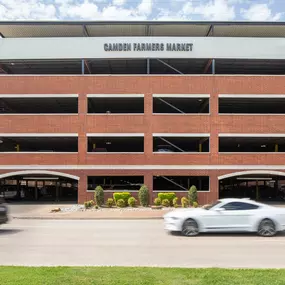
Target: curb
<point>86,218</point>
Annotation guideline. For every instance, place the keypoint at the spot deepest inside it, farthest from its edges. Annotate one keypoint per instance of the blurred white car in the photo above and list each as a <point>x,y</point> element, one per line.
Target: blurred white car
<point>227,215</point>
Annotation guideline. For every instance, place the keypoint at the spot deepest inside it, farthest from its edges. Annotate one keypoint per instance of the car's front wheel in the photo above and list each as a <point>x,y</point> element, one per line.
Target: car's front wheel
<point>190,228</point>
<point>266,228</point>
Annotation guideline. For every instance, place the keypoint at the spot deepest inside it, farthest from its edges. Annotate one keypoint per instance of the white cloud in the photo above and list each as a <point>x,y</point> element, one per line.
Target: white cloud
<point>188,8</point>
<point>216,10</point>
<point>260,12</point>
<point>145,7</point>
<point>119,2</point>
<point>26,10</point>
<point>120,14</point>
<point>167,15</point>
<point>85,10</point>
<point>166,10</point>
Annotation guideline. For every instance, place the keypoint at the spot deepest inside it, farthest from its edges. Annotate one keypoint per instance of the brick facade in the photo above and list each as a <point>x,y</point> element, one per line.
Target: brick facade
<point>147,123</point>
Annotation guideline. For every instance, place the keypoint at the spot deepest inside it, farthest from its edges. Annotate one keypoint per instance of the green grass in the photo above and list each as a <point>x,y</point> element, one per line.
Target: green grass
<point>137,276</point>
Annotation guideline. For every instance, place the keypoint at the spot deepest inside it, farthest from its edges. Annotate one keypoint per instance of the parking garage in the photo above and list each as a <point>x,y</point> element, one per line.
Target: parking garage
<point>258,186</point>
<point>115,143</point>
<point>38,104</point>
<point>251,104</point>
<point>38,143</point>
<point>180,104</point>
<point>180,143</point>
<point>115,104</point>
<point>156,66</point>
<point>180,183</point>
<point>116,183</point>
<point>39,188</point>
<point>251,143</point>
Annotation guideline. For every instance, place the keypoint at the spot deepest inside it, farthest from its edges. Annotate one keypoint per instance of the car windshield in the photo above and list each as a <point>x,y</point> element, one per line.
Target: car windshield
<point>210,206</point>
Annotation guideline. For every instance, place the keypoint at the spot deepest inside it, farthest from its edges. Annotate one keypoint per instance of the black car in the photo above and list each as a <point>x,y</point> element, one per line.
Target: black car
<point>3,212</point>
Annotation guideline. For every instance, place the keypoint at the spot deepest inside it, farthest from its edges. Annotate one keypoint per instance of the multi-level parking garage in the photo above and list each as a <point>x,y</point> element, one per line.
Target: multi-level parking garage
<point>166,104</point>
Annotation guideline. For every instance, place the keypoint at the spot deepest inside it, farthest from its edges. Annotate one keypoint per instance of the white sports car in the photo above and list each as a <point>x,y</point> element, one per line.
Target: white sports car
<point>227,215</point>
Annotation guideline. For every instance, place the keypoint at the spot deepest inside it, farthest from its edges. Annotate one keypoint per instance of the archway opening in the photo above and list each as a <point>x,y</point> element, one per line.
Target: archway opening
<point>261,186</point>
<point>39,186</point>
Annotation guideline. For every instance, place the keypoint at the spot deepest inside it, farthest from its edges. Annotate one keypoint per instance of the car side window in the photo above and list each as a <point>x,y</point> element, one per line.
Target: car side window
<point>239,206</point>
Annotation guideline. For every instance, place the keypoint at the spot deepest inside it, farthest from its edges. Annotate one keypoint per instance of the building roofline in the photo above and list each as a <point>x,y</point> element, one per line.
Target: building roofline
<point>217,23</point>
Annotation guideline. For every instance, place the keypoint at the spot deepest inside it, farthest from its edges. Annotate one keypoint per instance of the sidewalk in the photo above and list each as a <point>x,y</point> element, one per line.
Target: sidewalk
<point>44,213</point>
<point>77,212</point>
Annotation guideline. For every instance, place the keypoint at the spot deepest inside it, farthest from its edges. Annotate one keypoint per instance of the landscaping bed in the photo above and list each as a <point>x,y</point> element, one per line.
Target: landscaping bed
<point>125,199</point>
<point>138,276</point>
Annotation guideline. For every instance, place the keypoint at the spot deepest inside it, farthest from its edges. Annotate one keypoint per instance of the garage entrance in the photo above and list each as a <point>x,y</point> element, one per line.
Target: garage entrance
<point>258,185</point>
<point>39,186</point>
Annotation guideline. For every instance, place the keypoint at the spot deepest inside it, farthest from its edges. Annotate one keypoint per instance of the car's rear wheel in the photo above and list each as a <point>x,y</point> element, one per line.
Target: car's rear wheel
<point>266,228</point>
<point>190,228</point>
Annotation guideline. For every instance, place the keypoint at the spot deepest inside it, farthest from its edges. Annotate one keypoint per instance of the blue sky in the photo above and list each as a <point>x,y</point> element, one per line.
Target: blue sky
<point>216,10</point>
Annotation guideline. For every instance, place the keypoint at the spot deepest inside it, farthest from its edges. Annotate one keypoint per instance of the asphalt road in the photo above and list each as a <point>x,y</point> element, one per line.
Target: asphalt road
<point>131,243</point>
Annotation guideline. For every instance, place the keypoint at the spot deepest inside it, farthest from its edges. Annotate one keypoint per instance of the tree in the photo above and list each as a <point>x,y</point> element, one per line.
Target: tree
<point>144,196</point>
<point>192,195</point>
<point>99,196</point>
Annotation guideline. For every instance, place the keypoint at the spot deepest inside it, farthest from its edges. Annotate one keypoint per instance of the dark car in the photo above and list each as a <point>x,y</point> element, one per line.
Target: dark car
<point>3,212</point>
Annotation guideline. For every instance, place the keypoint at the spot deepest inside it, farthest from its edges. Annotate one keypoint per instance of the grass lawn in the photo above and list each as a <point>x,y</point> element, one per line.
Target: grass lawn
<point>137,276</point>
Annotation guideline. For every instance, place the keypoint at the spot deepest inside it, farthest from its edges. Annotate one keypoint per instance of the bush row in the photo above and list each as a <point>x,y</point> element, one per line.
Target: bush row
<point>123,199</point>
<point>166,203</point>
<point>167,199</point>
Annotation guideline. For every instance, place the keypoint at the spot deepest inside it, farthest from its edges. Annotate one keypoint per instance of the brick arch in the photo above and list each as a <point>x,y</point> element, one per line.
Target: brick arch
<point>44,172</point>
<point>249,172</point>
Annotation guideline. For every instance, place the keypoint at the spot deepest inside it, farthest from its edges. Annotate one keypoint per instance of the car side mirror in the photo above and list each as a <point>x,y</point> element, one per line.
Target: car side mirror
<point>220,209</point>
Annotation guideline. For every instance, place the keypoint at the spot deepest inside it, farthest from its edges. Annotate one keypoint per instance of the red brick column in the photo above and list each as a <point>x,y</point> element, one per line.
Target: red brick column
<point>214,110</point>
<point>214,187</point>
<point>148,181</point>
<point>82,189</point>
<point>82,139</point>
<point>148,141</point>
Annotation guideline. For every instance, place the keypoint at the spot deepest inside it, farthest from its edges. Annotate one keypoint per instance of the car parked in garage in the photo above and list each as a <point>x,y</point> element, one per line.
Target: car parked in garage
<point>227,215</point>
<point>3,212</point>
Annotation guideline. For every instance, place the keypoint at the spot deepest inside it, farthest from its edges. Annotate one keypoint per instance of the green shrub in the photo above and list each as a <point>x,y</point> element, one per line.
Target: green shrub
<point>176,205</point>
<point>157,201</point>
<point>132,202</point>
<point>110,202</point>
<point>99,196</point>
<point>165,203</point>
<point>88,204</point>
<point>167,195</point>
<point>122,195</point>
<point>184,202</point>
<point>121,203</point>
<point>192,195</point>
<point>144,196</point>
<point>175,202</point>
<point>195,204</point>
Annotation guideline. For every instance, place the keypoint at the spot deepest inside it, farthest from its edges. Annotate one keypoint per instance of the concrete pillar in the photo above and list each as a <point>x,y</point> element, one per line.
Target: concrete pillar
<point>57,191</point>
<point>257,191</point>
<point>36,191</point>
<point>18,188</point>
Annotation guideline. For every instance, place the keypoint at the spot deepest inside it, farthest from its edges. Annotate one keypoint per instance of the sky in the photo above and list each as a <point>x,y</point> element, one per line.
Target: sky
<point>123,10</point>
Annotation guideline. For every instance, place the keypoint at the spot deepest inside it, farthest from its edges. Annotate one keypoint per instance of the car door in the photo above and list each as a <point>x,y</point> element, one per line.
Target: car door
<point>235,216</point>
